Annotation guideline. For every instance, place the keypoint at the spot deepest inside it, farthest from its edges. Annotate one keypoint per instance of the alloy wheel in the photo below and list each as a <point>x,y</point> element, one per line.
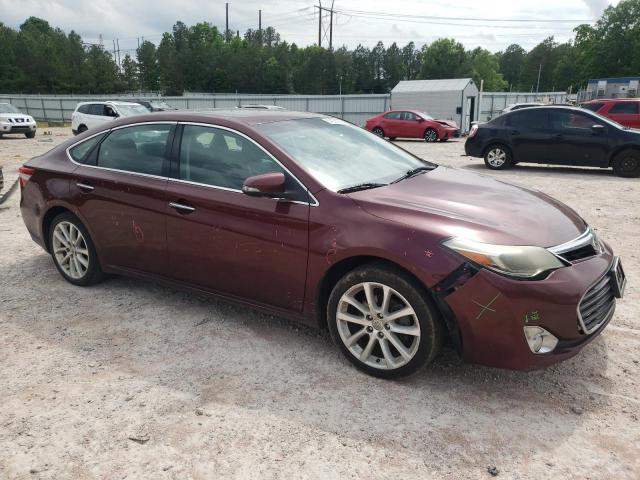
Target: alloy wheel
<point>378,325</point>
<point>378,132</point>
<point>430,135</point>
<point>70,250</point>
<point>496,157</point>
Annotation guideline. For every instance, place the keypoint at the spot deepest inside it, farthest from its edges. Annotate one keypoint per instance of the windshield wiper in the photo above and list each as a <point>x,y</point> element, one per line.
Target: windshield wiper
<point>361,186</point>
<point>414,172</point>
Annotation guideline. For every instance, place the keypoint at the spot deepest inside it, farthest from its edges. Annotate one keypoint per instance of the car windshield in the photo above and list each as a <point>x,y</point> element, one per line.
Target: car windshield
<point>130,110</point>
<point>340,155</point>
<point>8,108</point>
<point>425,115</point>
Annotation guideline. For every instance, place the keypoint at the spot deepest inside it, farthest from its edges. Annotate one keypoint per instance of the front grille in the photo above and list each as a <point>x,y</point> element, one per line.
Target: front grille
<point>20,129</point>
<point>579,253</point>
<point>596,305</point>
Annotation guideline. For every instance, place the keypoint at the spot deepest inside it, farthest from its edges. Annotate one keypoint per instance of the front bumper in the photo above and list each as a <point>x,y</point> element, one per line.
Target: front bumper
<point>491,311</point>
<point>6,127</point>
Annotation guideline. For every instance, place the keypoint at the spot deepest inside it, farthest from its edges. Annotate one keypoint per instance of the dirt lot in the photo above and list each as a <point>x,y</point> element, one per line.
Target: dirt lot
<point>130,379</point>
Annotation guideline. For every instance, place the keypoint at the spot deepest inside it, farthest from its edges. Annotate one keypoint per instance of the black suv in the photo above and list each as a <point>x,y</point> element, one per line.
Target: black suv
<point>556,135</point>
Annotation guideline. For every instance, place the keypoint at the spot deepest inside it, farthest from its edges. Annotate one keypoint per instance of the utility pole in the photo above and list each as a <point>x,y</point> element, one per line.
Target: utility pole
<point>115,59</point>
<point>331,27</point>
<point>226,29</point>
<point>260,21</point>
<point>118,43</point>
<point>319,23</point>
<point>538,84</point>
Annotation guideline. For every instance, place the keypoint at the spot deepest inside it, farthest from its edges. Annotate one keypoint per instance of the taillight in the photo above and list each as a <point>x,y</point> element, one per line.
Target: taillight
<point>473,131</point>
<point>25,175</point>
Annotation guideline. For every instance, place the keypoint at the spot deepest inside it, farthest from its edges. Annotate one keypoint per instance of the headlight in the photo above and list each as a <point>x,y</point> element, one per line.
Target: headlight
<point>516,261</point>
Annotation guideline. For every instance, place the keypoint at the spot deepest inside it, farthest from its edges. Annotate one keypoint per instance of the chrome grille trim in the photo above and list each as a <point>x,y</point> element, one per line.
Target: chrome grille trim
<point>596,305</point>
<point>584,246</point>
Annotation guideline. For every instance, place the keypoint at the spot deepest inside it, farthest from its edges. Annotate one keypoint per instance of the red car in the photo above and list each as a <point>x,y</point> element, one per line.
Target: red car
<point>625,111</point>
<point>412,124</point>
<point>310,217</point>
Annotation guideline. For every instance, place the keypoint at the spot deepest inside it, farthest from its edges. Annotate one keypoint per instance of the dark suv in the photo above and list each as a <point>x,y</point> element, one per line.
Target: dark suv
<point>556,135</point>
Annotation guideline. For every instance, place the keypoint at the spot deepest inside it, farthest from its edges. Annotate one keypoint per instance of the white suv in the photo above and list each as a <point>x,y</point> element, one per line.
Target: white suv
<point>12,121</point>
<point>92,114</point>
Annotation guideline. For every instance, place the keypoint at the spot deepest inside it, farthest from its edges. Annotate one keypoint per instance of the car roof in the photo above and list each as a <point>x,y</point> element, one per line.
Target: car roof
<point>248,116</point>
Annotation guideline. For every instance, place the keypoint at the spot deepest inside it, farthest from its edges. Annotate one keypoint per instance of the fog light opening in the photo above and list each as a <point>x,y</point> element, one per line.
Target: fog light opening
<point>539,340</point>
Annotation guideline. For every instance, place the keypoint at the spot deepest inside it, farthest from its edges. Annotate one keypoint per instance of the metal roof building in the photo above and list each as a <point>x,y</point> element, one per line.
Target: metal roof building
<point>451,98</point>
<point>617,87</point>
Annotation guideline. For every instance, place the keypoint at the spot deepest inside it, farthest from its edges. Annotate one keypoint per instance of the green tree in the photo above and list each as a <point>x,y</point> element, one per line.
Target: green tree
<point>130,73</point>
<point>511,62</point>
<point>485,66</point>
<point>149,70</point>
<point>444,58</point>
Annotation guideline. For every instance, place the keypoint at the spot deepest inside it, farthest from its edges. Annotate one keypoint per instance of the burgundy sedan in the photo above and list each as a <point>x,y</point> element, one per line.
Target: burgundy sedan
<point>310,217</point>
<point>412,124</point>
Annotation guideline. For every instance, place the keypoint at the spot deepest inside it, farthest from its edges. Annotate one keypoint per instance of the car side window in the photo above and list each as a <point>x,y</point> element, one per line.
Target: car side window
<point>83,108</point>
<point>411,117</point>
<point>625,108</point>
<point>96,109</point>
<point>81,152</point>
<point>109,111</point>
<point>393,115</point>
<point>220,158</point>
<point>138,149</point>
<point>594,107</point>
<point>528,119</point>
<point>571,120</point>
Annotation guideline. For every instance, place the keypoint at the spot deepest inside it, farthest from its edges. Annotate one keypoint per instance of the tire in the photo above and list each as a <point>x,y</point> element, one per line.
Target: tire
<point>393,139</point>
<point>377,336</point>
<point>378,131</point>
<point>430,135</point>
<point>82,128</point>
<point>445,139</point>
<point>498,157</point>
<point>65,230</point>
<point>627,163</point>
<point>30,134</point>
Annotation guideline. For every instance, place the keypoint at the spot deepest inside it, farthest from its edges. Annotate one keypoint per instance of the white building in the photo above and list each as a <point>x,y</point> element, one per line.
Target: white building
<point>450,99</point>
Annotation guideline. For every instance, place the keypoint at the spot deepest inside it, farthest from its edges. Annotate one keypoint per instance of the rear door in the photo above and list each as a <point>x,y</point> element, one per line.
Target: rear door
<point>625,113</point>
<point>575,142</point>
<point>528,134</point>
<point>391,124</point>
<point>120,191</point>
<point>224,241</point>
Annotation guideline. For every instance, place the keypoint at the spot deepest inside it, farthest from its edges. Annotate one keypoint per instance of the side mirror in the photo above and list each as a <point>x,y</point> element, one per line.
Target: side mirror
<point>597,129</point>
<point>265,185</point>
<point>420,119</point>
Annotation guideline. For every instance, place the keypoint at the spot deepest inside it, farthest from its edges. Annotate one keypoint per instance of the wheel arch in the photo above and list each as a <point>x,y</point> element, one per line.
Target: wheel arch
<point>620,149</point>
<point>344,266</point>
<point>47,219</point>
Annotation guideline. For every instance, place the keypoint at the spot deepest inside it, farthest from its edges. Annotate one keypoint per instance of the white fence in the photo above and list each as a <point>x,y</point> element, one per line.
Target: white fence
<point>492,103</point>
<point>353,108</point>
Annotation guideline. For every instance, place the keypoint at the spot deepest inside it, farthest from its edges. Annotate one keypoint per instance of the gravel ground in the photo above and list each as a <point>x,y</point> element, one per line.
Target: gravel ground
<point>129,379</point>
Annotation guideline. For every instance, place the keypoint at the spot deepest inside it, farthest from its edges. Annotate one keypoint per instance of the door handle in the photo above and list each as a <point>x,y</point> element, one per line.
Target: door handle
<point>85,187</point>
<point>558,135</point>
<point>182,208</point>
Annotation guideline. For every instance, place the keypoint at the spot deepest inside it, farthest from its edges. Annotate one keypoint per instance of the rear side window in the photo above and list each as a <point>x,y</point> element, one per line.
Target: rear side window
<point>139,149</point>
<point>528,118</point>
<point>95,109</point>
<point>83,108</point>
<point>393,116</point>
<point>81,152</point>
<point>594,107</point>
<point>625,108</point>
<point>221,158</point>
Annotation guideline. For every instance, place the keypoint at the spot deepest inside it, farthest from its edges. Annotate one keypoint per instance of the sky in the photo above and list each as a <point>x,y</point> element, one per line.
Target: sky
<point>492,24</point>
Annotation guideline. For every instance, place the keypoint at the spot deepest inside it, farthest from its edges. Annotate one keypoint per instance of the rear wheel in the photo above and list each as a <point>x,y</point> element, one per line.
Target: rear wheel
<point>378,131</point>
<point>627,163</point>
<point>497,157</point>
<point>430,135</point>
<point>382,322</point>
<point>82,128</point>
<point>73,252</point>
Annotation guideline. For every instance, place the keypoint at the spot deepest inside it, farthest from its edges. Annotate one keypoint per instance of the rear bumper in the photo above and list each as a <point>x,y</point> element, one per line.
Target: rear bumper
<point>494,335</point>
<point>472,147</point>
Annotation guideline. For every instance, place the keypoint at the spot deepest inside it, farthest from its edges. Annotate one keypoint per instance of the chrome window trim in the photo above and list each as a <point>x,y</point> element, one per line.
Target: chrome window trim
<point>161,177</point>
<point>315,202</point>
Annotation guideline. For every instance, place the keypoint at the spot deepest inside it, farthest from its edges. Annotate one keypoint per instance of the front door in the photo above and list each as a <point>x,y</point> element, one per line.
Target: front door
<point>121,195</point>
<point>575,142</point>
<point>224,241</point>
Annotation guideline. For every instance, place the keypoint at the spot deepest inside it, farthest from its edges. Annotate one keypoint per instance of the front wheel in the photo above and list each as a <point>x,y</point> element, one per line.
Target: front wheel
<point>73,252</point>
<point>378,131</point>
<point>627,163</point>
<point>382,322</point>
<point>430,135</point>
<point>497,157</point>
<point>30,134</point>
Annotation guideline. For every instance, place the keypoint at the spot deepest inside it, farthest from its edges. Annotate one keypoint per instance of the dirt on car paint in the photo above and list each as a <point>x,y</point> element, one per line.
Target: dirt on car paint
<point>130,379</point>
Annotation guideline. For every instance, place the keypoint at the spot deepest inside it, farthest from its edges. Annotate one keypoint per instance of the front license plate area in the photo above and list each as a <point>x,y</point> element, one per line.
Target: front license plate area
<point>619,279</point>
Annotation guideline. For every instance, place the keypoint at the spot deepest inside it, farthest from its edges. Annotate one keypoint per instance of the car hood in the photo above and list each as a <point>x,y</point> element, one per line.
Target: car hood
<point>448,123</point>
<point>454,203</point>
<point>5,116</point>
